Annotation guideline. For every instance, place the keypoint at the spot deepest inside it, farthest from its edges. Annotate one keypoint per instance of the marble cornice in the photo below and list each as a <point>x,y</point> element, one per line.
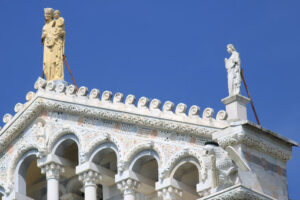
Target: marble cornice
<point>237,192</point>
<point>239,135</point>
<point>60,100</point>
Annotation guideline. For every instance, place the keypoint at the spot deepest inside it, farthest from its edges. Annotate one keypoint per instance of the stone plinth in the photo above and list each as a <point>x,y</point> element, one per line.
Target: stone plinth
<point>236,107</point>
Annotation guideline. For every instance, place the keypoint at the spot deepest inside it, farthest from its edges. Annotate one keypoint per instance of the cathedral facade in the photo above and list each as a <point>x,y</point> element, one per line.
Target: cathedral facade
<point>65,143</point>
<point>70,143</point>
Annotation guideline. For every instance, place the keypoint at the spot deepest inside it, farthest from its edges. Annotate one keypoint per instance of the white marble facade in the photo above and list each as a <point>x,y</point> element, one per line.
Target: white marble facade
<point>68,144</point>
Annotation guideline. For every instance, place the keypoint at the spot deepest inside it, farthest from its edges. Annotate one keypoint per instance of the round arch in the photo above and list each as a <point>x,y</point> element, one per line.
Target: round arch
<point>144,153</point>
<point>103,146</point>
<point>16,159</point>
<point>187,172</point>
<point>146,163</point>
<point>61,135</point>
<point>26,164</point>
<point>184,161</point>
<point>106,138</point>
<point>64,139</point>
<point>174,160</point>
<point>68,147</point>
<point>143,147</point>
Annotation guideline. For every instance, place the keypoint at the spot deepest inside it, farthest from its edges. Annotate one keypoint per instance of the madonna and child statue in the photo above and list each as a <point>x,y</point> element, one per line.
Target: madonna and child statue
<point>53,40</point>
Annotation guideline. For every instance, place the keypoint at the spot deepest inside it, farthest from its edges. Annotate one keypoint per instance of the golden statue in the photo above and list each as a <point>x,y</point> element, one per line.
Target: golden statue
<point>53,39</point>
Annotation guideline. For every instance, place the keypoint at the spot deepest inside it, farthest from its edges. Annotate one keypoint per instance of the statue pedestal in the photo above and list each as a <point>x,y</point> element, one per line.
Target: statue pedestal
<point>236,107</point>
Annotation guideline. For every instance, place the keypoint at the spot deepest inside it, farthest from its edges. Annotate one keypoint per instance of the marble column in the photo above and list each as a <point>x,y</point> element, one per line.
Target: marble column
<point>128,187</point>
<point>169,193</point>
<point>52,171</point>
<point>90,179</point>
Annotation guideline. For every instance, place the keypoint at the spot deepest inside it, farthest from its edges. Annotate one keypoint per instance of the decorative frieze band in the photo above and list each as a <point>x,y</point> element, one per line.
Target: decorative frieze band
<point>237,192</point>
<point>39,103</point>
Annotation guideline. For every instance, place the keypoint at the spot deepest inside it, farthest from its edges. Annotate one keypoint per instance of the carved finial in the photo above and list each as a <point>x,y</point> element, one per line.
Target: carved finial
<point>180,108</point>
<point>29,96</point>
<point>118,98</point>
<point>71,89</point>
<point>106,96</point>
<point>53,40</point>
<point>40,83</point>
<point>83,91</point>
<point>155,104</point>
<point>208,113</point>
<point>50,86</point>
<point>18,107</point>
<point>143,102</point>
<point>95,94</point>
<point>61,88</point>
<point>221,115</point>
<point>130,100</point>
<point>194,111</point>
<point>168,106</point>
<point>233,66</point>
<point>7,117</point>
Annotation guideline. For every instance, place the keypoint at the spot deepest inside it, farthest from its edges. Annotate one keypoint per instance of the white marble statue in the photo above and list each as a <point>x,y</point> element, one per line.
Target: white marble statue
<point>233,66</point>
<point>41,134</point>
<point>223,168</point>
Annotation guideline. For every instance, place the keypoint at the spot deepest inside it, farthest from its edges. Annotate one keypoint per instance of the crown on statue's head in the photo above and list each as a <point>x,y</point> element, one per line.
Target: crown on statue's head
<point>48,10</point>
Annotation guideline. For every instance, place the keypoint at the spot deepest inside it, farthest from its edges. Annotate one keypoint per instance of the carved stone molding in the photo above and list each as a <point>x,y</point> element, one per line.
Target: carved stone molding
<point>7,118</point>
<point>23,148</point>
<point>61,132</point>
<point>90,147</point>
<point>237,192</point>
<point>141,147</point>
<point>128,186</point>
<point>89,177</point>
<point>52,170</point>
<point>168,167</point>
<point>241,137</point>
<point>170,193</point>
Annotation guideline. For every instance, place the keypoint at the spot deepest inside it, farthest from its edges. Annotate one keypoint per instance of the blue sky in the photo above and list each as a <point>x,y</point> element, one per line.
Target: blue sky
<point>168,49</point>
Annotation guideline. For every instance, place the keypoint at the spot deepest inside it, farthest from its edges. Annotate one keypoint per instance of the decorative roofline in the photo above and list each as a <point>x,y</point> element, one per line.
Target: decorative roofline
<point>60,96</point>
<point>61,90</point>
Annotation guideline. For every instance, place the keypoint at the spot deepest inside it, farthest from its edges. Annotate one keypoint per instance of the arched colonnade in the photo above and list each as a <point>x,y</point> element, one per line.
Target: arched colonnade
<point>104,174</point>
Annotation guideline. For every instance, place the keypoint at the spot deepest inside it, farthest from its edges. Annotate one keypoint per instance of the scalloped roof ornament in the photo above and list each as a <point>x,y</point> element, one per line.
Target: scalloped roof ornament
<point>61,96</point>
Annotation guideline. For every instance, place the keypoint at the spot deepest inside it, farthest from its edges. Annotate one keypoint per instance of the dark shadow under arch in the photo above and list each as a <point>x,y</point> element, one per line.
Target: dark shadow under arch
<point>146,163</point>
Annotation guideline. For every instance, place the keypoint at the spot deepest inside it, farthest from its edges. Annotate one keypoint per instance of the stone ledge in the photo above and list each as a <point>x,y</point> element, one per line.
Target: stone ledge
<point>238,135</point>
<point>237,192</point>
<point>233,98</point>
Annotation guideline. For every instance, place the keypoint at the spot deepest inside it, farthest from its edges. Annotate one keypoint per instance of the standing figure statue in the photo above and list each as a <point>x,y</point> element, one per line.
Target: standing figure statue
<point>53,39</point>
<point>233,66</point>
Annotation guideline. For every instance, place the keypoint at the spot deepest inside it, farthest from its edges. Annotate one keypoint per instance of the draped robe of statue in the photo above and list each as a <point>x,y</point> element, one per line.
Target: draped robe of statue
<point>54,45</point>
<point>233,66</point>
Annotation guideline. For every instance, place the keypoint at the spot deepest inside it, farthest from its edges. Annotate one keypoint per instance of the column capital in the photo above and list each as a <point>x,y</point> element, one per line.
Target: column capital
<point>89,177</point>
<point>169,193</point>
<point>128,186</point>
<point>52,170</point>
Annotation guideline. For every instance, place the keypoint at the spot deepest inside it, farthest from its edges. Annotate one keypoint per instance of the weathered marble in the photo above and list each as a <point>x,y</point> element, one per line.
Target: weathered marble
<point>152,148</point>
